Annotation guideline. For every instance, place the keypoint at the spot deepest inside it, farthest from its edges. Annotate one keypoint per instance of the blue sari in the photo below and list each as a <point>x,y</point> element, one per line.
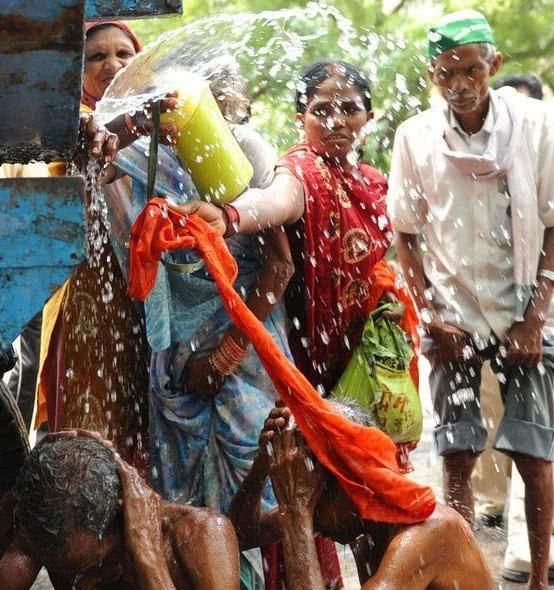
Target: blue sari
<point>200,449</point>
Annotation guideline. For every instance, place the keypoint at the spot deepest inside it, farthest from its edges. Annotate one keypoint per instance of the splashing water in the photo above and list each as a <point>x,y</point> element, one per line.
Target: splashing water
<point>267,47</point>
<point>268,50</point>
<point>98,222</point>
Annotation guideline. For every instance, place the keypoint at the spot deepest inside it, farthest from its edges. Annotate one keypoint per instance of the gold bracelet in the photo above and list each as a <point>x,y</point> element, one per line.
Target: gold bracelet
<point>232,349</point>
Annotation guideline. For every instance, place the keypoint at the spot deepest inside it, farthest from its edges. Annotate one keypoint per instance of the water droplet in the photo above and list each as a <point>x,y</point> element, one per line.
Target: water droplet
<point>426,315</point>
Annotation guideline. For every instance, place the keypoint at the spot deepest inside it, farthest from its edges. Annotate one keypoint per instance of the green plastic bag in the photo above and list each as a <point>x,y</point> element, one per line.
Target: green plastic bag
<point>378,377</point>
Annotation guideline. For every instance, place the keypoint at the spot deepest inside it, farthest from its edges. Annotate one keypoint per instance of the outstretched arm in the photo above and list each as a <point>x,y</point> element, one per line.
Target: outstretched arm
<point>281,203</point>
<point>129,127</point>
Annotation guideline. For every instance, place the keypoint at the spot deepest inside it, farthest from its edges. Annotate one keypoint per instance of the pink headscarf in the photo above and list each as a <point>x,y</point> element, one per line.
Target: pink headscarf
<point>86,97</point>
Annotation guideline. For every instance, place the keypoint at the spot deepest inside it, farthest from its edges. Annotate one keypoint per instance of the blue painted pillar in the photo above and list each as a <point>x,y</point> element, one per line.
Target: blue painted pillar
<point>41,59</point>
<point>42,238</point>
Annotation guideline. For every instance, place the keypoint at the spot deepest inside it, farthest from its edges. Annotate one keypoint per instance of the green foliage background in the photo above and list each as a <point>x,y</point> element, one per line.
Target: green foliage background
<point>396,63</point>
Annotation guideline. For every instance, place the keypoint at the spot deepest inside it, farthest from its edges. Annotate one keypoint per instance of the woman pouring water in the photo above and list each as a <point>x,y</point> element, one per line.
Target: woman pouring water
<point>333,207</point>
<point>209,394</point>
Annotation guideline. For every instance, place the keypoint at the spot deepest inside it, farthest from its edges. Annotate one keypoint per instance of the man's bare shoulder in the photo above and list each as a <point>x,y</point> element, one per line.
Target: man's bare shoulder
<point>205,545</point>
<point>195,523</point>
<point>437,554</point>
<point>18,569</point>
<point>443,520</point>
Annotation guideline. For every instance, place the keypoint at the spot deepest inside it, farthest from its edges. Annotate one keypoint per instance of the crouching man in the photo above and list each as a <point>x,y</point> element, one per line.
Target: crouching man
<point>440,553</point>
<point>94,524</point>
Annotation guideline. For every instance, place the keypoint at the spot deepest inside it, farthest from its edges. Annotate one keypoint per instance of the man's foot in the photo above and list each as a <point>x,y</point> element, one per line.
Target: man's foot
<point>522,576</point>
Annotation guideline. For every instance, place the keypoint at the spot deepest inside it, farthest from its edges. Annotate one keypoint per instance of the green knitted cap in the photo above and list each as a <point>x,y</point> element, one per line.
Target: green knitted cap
<point>459,28</point>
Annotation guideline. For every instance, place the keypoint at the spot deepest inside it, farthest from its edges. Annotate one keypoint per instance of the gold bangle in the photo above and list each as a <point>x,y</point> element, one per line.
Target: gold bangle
<point>232,349</point>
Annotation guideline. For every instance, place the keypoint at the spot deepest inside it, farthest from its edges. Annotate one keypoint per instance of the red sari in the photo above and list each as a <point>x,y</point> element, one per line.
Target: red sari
<point>343,234</point>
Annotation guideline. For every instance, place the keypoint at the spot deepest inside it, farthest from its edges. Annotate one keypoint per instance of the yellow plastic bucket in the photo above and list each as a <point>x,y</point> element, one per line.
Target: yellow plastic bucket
<point>206,146</point>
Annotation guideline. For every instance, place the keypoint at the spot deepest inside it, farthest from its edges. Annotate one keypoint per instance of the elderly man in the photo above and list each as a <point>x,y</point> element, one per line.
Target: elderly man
<point>470,198</point>
<point>90,519</point>
<point>437,553</point>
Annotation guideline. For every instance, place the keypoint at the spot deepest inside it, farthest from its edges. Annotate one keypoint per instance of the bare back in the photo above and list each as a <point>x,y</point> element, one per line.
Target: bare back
<point>438,554</point>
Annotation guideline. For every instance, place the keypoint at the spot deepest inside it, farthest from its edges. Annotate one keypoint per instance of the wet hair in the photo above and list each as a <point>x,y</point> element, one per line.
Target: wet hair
<point>352,410</point>
<point>316,73</point>
<point>67,484</point>
<point>231,93</point>
<point>532,83</point>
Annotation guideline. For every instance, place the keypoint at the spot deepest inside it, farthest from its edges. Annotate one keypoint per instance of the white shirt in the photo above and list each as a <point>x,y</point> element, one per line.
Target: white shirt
<point>464,222</point>
<point>474,143</point>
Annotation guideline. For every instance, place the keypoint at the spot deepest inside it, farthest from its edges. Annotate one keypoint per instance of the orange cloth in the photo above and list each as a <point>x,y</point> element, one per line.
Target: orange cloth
<point>362,459</point>
<point>384,280</point>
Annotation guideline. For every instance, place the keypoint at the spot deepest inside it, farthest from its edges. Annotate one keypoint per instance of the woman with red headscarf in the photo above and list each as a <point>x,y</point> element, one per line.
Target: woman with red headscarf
<point>109,47</point>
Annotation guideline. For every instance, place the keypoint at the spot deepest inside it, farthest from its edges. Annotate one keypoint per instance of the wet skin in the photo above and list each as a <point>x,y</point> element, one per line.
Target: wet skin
<point>334,118</point>
<point>106,52</point>
<point>188,546</point>
<point>428,556</point>
<point>160,545</point>
<point>431,555</point>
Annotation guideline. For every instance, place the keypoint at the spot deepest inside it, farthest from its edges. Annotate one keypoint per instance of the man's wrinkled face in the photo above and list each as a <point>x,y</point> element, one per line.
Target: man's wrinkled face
<point>462,76</point>
<point>88,561</point>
